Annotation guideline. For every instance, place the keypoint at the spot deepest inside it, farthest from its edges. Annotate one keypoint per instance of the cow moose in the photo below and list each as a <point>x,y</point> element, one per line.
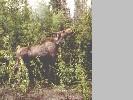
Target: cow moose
<point>46,51</point>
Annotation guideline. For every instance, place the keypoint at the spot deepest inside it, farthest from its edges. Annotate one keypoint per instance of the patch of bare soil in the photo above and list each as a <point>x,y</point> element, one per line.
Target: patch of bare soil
<point>40,94</point>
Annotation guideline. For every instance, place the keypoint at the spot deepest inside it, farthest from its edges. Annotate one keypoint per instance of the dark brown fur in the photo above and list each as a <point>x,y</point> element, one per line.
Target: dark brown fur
<point>46,51</point>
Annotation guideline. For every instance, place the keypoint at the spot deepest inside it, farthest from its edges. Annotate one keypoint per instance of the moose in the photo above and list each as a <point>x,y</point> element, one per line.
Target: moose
<point>46,51</point>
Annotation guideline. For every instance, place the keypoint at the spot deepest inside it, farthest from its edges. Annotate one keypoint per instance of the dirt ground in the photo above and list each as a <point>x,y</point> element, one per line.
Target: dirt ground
<point>40,94</point>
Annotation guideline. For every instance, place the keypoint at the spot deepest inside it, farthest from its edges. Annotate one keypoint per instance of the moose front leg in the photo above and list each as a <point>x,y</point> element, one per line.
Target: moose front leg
<point>48,68</point>
<point>16,67</point>
<point>45,66</point>
<point>30,70</point>
<point>52,71</point>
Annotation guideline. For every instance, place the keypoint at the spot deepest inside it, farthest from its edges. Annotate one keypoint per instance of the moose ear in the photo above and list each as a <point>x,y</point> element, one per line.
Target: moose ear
<point>59,36</point>
<point>54,34</point>
<point>18,47</point>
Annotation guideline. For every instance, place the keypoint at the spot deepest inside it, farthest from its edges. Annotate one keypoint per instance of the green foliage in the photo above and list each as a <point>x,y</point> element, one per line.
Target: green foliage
<point>19,25</point>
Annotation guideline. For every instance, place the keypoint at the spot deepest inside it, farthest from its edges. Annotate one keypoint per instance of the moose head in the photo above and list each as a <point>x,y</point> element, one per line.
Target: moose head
<point>61,35</point>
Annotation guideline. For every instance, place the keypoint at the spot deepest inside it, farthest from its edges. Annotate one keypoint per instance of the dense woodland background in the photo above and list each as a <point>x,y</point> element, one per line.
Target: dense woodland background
<point>20,25</point>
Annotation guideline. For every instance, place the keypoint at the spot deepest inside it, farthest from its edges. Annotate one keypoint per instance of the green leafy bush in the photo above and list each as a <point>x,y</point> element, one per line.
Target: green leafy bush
<point>20,26</point>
